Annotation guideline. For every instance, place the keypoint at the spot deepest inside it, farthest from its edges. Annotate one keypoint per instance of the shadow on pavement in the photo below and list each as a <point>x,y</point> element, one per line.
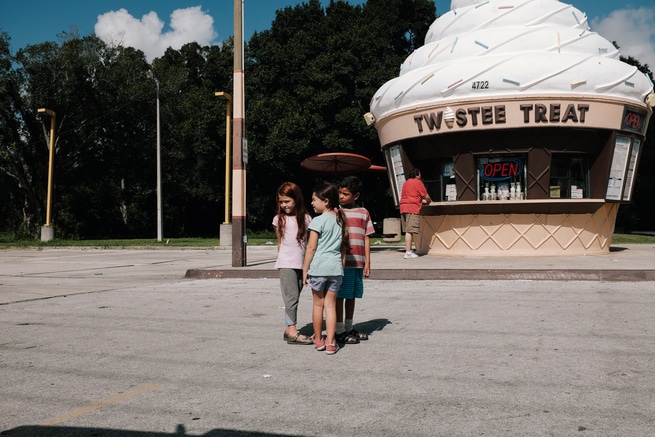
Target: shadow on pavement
<point>367,327</point>
<point>372,325</point>
<point>64,431</point>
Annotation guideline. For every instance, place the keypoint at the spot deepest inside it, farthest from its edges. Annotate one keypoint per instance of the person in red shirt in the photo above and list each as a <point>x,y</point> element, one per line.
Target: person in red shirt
<point>413,196</point>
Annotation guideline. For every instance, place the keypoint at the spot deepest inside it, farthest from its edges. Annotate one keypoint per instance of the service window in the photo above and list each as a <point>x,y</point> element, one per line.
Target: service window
<point>569,177</point>
<point>439,180</point>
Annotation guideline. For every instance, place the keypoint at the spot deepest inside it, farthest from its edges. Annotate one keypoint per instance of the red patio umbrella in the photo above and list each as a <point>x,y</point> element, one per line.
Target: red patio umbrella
<point>336,163</point>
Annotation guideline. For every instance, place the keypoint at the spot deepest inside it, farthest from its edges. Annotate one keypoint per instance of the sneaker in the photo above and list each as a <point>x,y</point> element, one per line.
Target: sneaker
<point>320,344</point>
<point>410,255</point>
<point>331,349</point>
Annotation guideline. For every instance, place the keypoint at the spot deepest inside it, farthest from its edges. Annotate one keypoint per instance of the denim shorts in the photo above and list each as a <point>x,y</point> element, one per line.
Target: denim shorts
<point>325,283</point>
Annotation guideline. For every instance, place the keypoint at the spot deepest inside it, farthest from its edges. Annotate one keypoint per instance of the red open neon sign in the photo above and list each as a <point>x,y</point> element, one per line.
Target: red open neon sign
<point>502,170</point>
<point>634,120</point>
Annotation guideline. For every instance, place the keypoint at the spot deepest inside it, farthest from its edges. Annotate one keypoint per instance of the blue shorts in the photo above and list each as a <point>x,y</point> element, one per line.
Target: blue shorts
<point>325,283</point>
<point>352,285</point>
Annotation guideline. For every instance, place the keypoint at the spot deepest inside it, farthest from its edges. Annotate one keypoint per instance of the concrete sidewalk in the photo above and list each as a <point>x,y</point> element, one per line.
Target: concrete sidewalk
<point>623,263</point>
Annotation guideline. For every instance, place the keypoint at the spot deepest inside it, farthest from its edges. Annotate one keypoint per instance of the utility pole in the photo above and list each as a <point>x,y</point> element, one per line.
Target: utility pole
<point>239,159</point>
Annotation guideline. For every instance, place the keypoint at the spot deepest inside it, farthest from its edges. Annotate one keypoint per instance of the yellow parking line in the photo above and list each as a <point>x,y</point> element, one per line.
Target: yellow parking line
<point>103,403</point>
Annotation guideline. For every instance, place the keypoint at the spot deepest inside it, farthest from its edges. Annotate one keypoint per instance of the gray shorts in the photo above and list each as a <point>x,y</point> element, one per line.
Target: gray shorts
<point>325,283</point>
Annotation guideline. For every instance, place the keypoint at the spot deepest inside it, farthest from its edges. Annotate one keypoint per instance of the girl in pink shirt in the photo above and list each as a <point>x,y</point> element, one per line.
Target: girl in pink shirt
<point>291,228</point>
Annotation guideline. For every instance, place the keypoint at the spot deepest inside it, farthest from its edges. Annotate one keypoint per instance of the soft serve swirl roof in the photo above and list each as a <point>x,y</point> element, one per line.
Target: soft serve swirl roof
<point>515,48</point>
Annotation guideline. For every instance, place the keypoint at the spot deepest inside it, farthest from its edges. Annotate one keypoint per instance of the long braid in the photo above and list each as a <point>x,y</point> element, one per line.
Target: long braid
<point>343,222</point>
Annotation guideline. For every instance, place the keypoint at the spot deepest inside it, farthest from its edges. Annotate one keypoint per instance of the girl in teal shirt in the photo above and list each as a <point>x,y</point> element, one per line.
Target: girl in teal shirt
<point>323,265</point>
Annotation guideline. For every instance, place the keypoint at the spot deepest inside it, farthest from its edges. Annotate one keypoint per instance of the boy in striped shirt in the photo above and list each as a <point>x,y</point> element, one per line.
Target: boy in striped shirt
<point>358,259</point>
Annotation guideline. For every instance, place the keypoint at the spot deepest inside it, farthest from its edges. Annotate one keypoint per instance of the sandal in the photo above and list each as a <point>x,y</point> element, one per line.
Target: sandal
<point>358,335</point>
<point>320,344</point>
<point>347,338</point>
<point>297,339</point>
<point>331,349</point>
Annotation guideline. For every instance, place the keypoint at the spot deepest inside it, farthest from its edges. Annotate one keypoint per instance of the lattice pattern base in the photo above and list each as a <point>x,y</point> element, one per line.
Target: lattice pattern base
<point>518,234</point>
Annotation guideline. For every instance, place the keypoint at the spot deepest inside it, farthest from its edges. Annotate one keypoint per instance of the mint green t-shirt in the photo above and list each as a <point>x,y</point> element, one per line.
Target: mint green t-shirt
<point>327,259</point>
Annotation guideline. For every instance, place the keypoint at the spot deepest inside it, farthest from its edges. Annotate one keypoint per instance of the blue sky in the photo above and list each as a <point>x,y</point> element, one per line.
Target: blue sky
<point>631,24</point>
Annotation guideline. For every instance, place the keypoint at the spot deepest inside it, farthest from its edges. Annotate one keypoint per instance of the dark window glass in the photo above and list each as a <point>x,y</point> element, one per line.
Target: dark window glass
<point>569,177</point>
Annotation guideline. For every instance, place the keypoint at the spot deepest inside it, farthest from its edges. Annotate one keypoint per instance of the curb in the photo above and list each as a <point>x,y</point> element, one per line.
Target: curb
<point>453,275</point>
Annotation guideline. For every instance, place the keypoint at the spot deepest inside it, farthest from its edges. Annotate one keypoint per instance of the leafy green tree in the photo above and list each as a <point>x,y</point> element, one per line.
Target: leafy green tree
<point>105,154</point>
<point>639,214</point>
<point>119,170</point>
<point>21,148</point>
<point>97,94</point>
<point>11,174</point>
<point>193,137</point>
<point>309,81</point>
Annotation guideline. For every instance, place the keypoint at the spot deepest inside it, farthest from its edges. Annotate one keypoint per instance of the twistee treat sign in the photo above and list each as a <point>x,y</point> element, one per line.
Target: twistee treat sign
<point>497,114</point>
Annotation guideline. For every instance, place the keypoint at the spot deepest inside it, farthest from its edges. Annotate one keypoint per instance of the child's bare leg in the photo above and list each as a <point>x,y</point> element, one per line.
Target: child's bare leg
<point>330,303</point>
<point>408,242</point>
<point>318,299</point>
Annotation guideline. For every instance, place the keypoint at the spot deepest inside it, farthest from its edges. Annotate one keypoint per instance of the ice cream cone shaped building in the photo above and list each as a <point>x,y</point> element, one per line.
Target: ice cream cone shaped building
<point>526,126</point>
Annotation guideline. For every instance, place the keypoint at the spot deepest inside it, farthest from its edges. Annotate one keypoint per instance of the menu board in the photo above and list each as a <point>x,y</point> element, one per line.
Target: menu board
<point>632,170</point>
<point>395,163</point>
<point>617,171</point>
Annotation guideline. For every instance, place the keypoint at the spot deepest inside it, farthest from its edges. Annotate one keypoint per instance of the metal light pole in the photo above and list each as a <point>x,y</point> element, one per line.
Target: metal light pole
<point>225,236</point>
<point>228,151</point>
<point>47,231</point>
<point>159,214</point>
<point>239,158</point>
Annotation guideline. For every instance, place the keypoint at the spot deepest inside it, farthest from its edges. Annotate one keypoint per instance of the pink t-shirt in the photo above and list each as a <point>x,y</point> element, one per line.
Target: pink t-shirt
<point>411,197</point>
<point>291,253</point>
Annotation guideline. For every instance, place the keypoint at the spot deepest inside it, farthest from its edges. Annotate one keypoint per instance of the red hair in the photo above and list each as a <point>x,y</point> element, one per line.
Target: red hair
<point>289,189</point>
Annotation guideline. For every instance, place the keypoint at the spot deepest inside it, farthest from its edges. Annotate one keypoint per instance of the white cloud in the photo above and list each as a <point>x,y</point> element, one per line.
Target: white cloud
<point>187,25</point>
<point>633,30</point>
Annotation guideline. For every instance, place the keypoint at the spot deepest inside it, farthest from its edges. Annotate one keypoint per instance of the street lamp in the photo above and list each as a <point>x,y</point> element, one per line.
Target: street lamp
<point>47,231</point>
<point>151,75</point>
<point>228,152</point>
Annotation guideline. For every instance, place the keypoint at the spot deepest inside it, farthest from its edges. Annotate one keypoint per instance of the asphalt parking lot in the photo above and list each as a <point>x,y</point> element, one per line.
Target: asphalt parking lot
<point>121,344</point>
